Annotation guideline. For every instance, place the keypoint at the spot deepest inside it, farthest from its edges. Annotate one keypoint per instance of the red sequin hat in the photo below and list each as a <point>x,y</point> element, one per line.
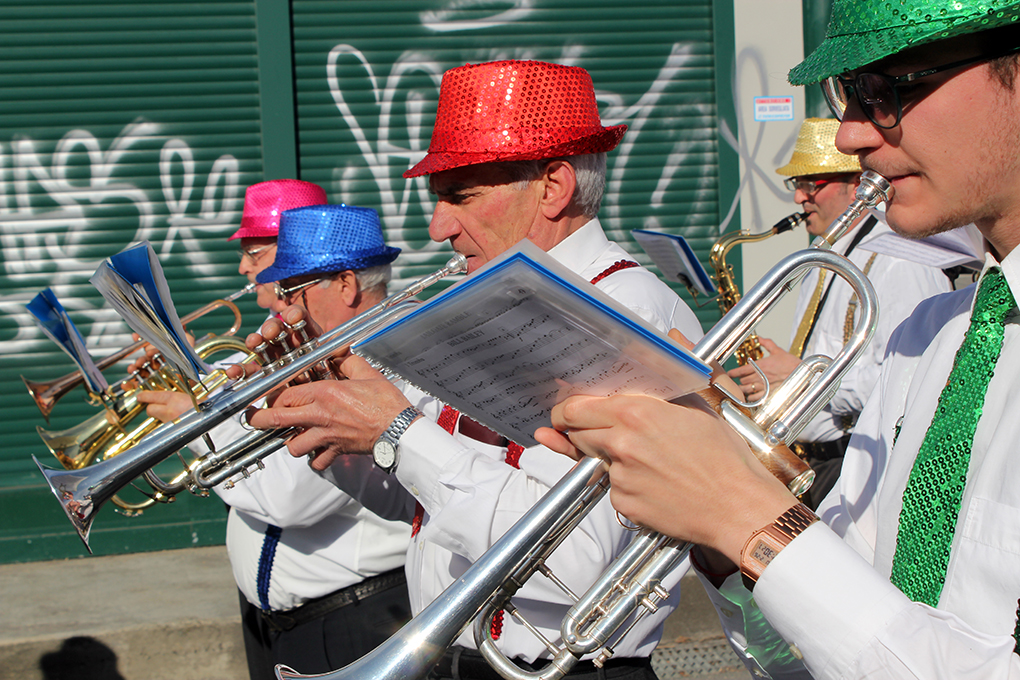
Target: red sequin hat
<point>265,202</point>
<point>515,111</point>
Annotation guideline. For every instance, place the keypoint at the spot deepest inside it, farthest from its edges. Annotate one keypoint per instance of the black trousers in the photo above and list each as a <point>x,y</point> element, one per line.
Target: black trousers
<point>826,460</point>
<point>460,663</point>
<point>324,644</point>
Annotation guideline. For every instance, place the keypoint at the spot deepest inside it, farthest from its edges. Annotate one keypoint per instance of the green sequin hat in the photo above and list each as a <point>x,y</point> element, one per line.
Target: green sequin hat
<point>863,31</point>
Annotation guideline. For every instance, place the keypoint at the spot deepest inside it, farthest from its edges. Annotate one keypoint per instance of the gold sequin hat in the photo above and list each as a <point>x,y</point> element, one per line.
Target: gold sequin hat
<point>515,111</point>
<point>863,31</point>
<point>815,151</point>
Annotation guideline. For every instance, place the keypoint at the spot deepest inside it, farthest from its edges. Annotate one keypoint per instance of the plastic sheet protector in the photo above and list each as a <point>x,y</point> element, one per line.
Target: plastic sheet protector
<point>518,336</point>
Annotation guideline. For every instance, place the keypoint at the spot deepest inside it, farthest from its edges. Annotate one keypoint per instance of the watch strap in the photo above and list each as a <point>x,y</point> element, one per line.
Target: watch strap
<point>763,545</point>
<point>396,429</point>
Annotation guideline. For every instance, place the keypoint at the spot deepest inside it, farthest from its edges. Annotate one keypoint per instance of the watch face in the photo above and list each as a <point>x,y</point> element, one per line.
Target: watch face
<point>384,454</point>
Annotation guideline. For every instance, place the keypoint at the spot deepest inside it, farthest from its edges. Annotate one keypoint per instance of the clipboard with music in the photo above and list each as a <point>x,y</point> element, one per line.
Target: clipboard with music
<point>518,336</point>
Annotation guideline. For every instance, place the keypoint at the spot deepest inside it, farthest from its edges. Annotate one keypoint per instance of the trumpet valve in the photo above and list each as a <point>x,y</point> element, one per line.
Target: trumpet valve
<point>263,352</point>
<point>299,330</point>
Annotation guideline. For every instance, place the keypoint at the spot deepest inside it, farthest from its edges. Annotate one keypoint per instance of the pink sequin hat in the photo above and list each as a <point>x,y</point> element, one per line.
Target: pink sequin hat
<point>515,111</point>
<point>265,202</point>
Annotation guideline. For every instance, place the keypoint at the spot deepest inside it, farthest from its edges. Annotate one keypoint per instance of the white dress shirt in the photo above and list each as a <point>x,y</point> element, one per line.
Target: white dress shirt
<point>900,285</point>
<point>471,496</point>
<point>828,592</point>
<point>328,541</point>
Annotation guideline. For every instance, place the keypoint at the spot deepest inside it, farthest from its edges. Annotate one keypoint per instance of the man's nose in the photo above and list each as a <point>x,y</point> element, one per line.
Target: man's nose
<point>443,226</point>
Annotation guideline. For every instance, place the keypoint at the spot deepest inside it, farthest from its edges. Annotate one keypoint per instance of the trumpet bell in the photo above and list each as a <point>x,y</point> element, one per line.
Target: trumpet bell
<point>46,393</point>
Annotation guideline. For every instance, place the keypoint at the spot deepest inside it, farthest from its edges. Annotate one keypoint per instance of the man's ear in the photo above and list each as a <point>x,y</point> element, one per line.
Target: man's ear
<point>559,182</point>
<point>349,290</point>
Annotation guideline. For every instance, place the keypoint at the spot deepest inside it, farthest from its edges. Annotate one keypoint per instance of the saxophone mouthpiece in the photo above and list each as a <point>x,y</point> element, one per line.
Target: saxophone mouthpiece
<point>788,223</point>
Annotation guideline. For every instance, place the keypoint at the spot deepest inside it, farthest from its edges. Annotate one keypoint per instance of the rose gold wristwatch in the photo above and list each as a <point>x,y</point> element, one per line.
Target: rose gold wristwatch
<point>766,543</point>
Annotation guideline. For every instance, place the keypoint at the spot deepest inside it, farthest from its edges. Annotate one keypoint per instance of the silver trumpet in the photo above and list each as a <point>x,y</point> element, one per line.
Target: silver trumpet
<point>82,492</point>
<point>632,585</point>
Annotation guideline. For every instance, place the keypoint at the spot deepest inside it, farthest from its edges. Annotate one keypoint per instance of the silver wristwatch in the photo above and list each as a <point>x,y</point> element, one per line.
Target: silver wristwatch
<point>384,452</point>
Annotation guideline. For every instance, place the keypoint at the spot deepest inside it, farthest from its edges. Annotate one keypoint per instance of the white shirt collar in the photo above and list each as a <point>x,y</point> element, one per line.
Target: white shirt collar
<point>581,248</point>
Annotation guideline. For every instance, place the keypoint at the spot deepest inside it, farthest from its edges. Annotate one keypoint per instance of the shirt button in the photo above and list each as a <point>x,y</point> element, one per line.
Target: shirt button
<point>414,490</point>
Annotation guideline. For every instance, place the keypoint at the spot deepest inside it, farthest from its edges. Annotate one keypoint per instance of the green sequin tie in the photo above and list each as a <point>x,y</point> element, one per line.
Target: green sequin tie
<point>931,501</point>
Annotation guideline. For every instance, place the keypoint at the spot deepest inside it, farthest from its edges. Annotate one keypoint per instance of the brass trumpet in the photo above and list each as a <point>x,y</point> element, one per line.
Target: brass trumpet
<point>633,583</point>
<point>47,393</point>
<point>113,431</point>
<point>82,492</point>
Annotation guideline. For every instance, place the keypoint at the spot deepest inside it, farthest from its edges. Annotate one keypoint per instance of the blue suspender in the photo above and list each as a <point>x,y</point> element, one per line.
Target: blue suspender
<point>269,544</point>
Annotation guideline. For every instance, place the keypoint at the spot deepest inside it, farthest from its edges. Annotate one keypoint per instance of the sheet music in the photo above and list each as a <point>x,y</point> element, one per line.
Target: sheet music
<point>133,282</point>
<point>961,246</point>
<point>511,341</point>
<point>58,327</point>
<point>675,259</point>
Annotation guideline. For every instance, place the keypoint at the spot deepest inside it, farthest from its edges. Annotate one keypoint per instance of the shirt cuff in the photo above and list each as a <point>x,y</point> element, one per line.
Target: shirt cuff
<point>826,600</point>
<point>426,449</point>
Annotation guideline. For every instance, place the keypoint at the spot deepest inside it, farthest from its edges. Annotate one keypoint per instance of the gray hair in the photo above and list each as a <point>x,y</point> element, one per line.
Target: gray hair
<point>370,280</point>
<point>590,170</point>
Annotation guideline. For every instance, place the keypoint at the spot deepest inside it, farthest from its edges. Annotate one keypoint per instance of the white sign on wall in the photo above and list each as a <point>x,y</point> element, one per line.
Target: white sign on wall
<point>773,108</point>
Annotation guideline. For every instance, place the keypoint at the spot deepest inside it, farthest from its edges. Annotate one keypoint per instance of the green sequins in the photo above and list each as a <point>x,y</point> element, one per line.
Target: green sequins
<point>931,500</point>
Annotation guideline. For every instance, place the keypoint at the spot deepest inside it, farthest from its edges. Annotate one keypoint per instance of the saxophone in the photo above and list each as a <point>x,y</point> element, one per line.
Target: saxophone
<point>729,291</point>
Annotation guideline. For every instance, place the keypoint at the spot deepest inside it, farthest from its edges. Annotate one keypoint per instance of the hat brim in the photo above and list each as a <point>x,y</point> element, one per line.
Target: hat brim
<point>359,259</point>
<point>247,231</point>
<point>800,167</point>
<point>842,53</point>
<point>602,141</point>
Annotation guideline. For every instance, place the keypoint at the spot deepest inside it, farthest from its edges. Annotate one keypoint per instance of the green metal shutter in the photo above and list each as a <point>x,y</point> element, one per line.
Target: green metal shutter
<point>125,120</point>
<point>121,121</point>
<point>367,76</point>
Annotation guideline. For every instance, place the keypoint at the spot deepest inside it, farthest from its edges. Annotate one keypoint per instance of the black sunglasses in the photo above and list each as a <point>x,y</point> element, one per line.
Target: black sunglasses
<point>878,94</point>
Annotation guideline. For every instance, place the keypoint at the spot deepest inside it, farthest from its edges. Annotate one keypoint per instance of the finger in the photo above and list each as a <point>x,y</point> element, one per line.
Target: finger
<point>151,397</point>
<point>741,372</point>
<point>293,314</point>
<point>323,459</point>
<point>276,417</point>
<point>581,412</point>
<point>681,339</point>
<point>356,368</point>
<point>557,441</point>
<point>306,443</point>
<point>254,339</point>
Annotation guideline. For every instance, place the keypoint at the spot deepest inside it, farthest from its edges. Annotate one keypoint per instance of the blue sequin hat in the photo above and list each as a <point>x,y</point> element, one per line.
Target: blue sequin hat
<point>324,239</point>
<point>863,31</point>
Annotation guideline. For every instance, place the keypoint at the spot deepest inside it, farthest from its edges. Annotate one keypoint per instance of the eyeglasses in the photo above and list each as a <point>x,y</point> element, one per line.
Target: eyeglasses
<point>810,186</point>
<point>285,293</point>
<point>254,253</point>
<point>879,94</point>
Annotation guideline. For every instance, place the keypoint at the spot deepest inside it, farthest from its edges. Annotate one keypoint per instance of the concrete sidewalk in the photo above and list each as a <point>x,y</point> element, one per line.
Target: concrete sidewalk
<point>173,616</point>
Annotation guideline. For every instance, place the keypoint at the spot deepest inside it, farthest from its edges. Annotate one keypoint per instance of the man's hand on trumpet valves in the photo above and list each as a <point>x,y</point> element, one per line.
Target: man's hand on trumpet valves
<point>777,365</point>
<point>675,467</point>
<point>162,404</point>
<point>336,416</point>
<point>270,335</point>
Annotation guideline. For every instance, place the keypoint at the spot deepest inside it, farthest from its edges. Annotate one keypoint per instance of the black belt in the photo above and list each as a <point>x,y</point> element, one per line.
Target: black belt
<point>320,606</point>
<point>468,664</point>
<point>821,451</point>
